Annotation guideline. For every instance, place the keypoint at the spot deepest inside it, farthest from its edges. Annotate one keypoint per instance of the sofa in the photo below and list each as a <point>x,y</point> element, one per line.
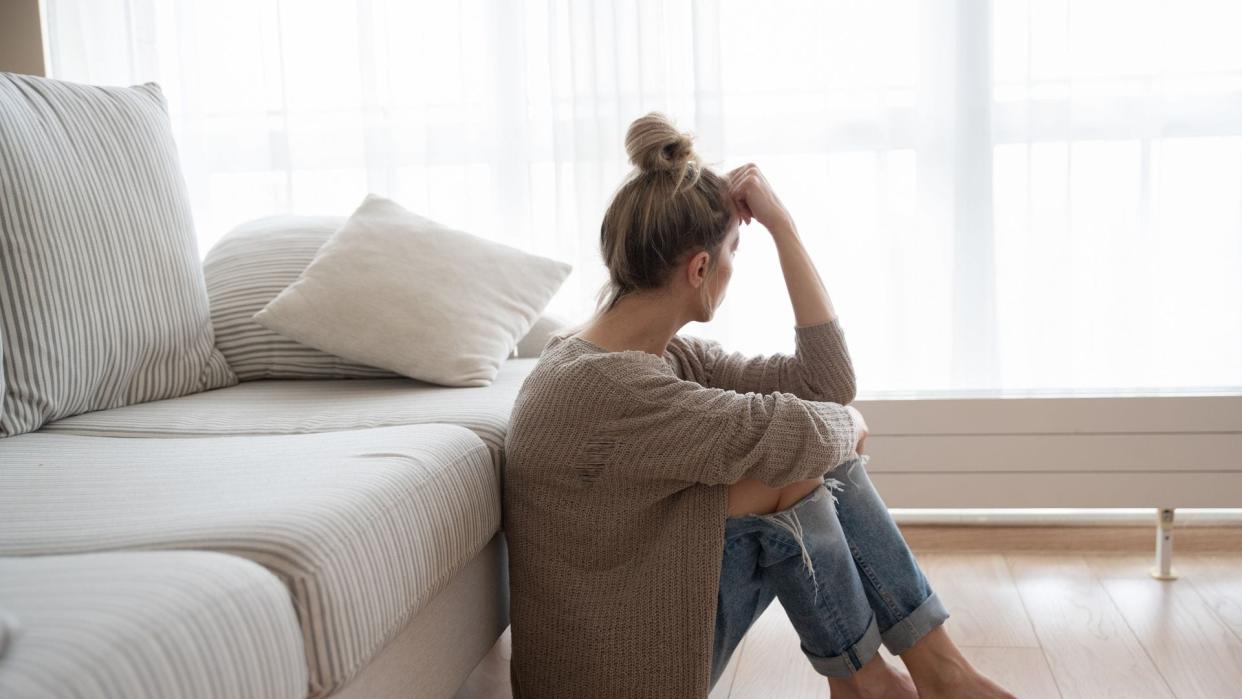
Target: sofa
<point>253,535</point>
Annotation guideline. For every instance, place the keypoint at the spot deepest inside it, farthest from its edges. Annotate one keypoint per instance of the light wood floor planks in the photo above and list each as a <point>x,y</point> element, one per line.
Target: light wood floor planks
<point>1071,625</point>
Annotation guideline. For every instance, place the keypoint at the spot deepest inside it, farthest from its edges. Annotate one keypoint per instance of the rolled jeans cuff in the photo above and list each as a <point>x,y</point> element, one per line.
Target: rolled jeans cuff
<point>917,624</point>
<point>852,659</point>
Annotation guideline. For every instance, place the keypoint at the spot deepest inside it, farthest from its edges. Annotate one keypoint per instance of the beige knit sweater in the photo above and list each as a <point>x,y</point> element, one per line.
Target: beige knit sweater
<point>616,493</point>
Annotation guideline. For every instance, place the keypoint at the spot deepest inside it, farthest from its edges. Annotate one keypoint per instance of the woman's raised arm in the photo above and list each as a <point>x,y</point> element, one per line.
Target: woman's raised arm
<point>820,368</point>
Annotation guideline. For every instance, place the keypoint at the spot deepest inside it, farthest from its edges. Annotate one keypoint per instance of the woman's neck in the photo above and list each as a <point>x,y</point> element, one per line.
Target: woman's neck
<point>638,321</point>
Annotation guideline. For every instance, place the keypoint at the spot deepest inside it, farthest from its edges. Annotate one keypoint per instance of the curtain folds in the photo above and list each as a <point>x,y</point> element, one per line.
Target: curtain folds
<point>1009,196</point>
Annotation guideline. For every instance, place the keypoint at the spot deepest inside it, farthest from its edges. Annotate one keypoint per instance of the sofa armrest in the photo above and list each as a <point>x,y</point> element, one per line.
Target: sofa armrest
<point>531,345</point>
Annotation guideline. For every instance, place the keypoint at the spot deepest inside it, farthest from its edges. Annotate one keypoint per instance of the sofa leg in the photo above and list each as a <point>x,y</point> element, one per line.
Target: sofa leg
<point>1164,545</point>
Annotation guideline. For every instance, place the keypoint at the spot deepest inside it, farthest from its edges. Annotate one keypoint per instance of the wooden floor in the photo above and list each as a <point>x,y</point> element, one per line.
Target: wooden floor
<point>1042,624</point>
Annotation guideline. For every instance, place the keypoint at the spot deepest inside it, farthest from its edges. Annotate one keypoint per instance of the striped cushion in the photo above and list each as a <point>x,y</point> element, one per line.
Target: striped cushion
<point>148,625</point>
<point>103,299</point>
<point>362,526</point>
<point>247,269</point>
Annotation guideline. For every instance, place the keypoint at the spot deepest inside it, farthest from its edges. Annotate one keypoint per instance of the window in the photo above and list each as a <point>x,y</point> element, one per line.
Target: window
<point>1012,196</point>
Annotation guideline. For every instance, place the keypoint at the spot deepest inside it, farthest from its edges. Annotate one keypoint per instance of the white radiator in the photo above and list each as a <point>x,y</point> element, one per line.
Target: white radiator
<point>1133,451</point>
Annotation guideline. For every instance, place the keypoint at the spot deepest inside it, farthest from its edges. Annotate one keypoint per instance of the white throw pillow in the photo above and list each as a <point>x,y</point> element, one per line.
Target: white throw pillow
<point>394,290</point>
<point>249,267</point>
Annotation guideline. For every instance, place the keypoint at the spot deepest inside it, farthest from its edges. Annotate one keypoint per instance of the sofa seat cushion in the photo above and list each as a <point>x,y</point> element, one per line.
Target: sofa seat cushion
<point>362,526</point>
<point>147,624</point>
<point>292,407</point>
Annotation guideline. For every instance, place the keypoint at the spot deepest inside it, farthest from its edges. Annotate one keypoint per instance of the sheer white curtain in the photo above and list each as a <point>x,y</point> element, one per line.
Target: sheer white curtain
<point>1014,196</point>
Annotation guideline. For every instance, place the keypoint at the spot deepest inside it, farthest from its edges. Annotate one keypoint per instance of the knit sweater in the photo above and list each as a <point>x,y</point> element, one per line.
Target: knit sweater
<point>615,494</point>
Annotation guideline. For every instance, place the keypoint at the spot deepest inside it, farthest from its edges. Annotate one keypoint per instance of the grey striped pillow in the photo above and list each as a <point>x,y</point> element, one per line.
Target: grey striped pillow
<point>102,302</point>
<point>247,269</point>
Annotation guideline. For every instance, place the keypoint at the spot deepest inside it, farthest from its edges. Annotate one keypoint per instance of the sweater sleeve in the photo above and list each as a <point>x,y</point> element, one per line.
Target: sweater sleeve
<point>819,369</point>
<point>669,428</point>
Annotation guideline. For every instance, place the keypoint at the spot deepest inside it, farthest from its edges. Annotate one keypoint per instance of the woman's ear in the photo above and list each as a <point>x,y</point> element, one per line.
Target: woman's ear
<point>697,269</point>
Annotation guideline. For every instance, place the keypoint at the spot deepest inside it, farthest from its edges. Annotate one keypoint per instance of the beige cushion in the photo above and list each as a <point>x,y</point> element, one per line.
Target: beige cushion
<point>397,291</point>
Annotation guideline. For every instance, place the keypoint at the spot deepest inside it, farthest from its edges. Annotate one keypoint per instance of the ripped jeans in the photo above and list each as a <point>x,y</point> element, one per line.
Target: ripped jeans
<point>841,569</point>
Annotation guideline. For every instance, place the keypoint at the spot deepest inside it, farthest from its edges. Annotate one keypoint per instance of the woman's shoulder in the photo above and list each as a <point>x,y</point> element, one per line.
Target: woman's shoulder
<point>572,368</point>
<point>572,385</point>
<point>572,354</point>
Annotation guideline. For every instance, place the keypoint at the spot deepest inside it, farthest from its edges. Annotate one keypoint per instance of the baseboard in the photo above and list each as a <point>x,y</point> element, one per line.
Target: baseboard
<point>931,538</point>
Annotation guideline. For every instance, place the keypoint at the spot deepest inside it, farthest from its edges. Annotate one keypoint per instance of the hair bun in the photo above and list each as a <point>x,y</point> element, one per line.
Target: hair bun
<point>654,144</point>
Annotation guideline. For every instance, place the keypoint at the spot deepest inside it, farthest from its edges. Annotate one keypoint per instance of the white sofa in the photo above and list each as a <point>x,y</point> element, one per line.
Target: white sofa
<point>371,501</point>
<point>270,538</point>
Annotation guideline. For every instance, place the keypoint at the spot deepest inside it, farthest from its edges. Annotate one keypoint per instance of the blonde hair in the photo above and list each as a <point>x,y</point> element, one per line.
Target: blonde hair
<point>670,204</point>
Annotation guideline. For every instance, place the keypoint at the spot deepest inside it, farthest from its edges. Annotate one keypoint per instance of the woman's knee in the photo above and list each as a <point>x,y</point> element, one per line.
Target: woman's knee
<point>752,497</point>
<point>797,490</point>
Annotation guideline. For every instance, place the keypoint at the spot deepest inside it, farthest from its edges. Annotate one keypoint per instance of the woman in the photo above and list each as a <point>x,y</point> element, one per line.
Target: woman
<point>659,492</point>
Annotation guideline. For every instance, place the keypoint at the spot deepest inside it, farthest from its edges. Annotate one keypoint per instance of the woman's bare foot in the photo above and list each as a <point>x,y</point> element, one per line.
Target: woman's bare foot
<point>970,685</point>
<point>875,680</point>
<point>940,670</point>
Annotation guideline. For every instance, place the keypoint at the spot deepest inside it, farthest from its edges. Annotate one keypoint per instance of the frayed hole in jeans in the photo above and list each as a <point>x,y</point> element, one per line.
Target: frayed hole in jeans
<point>788,520</point>
<point>833,484</point>
<point>859,460</point>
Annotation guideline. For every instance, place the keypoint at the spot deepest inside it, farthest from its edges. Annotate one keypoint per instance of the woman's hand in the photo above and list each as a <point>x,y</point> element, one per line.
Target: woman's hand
<point>754,198</point>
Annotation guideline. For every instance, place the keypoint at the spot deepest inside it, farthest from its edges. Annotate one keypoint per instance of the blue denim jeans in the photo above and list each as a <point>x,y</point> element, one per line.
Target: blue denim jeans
<point>842,572</point>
